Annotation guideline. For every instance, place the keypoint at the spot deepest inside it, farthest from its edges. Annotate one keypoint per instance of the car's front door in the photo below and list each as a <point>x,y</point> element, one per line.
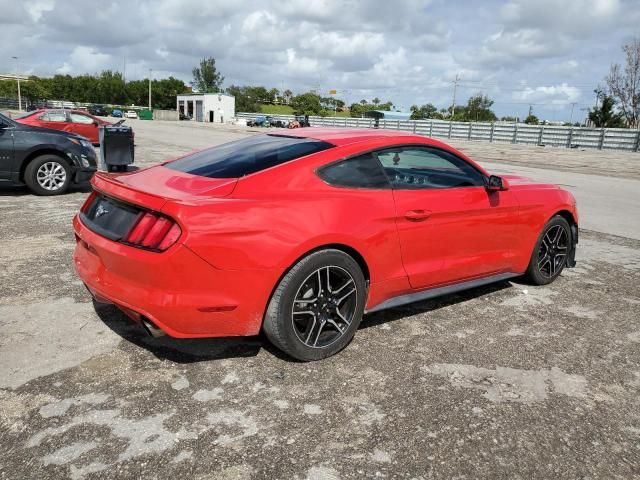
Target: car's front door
<point>84,125</point>
<point>450,227</point>
<point>6,150</point>
<point>55,119</point>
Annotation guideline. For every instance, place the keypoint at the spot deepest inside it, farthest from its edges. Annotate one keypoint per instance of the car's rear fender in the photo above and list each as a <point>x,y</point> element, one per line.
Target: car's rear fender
<point>538,204</point>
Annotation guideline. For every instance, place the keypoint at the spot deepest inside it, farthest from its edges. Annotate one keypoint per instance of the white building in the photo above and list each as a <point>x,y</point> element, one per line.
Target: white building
<point>207,107</point>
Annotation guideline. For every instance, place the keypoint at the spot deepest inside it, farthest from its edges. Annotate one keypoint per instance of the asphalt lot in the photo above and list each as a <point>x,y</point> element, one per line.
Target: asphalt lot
<point>506,381</point>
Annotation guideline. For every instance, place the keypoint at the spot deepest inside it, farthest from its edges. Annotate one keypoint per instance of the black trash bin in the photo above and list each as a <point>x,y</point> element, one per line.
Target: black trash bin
<point>116,148</point>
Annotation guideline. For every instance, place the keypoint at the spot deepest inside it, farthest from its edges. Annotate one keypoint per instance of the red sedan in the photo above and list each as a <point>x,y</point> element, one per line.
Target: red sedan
<point>74,121</point>
<point>300,233</point>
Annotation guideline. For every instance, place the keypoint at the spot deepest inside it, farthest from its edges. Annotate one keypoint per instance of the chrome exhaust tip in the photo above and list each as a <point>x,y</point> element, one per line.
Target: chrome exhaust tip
<point>151,329</point>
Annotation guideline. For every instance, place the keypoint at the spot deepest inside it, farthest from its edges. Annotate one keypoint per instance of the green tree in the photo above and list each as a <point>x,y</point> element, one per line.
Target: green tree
<point>274,93</point>
<point>287,95</point>
<point>246,100</point>
<point>307,104</point>
<point>624,85</point>
<point>604,116</point>
<point>424,112</point>
<point>479,109</point>
<point>532,120</point>
<point>206,78</point>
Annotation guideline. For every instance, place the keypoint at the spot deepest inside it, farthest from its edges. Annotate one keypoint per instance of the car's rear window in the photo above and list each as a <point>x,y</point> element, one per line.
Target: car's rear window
<point>246,156</point>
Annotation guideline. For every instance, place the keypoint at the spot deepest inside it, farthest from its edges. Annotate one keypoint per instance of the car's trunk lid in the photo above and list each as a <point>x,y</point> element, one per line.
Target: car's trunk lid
<point>121,199</point>
<point>153,187</point>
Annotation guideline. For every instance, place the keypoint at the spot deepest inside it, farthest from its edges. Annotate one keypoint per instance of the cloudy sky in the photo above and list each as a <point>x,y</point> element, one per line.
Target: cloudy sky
<point>548,53</point>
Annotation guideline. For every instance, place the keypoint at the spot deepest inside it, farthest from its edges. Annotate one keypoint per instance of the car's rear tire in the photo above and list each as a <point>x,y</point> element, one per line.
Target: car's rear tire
<point>550,253</point>
<point>316,308</point>
<point>48,175</point>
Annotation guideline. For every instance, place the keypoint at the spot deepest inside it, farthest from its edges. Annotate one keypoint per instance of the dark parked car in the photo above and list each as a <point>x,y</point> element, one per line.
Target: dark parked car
<point>98,110</point>
<point>48,161</point>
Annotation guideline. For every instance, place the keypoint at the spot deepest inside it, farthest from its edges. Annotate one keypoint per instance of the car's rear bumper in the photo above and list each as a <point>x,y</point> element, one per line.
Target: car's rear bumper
<point>176,290</point>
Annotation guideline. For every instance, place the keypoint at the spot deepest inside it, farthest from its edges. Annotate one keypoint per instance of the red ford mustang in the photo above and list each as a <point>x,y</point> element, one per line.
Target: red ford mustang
<point>299,234</point>
<point>74,121</point>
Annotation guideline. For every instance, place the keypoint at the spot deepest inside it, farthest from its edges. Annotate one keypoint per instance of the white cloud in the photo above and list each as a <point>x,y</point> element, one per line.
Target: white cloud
<point>557,94</point>
<point>407,52</point>
<point>84,60</point>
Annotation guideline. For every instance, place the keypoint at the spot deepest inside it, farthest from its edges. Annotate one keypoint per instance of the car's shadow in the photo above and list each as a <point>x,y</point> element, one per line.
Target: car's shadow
<point>206,349</point>
<point>22,191</point>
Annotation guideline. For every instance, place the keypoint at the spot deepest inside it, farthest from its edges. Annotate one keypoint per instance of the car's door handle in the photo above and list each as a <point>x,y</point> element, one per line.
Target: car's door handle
<point>417,215</point>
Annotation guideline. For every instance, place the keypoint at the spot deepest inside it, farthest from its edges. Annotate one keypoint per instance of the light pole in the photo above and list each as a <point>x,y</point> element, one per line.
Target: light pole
<point>149,89</point>
<point>18,78</point>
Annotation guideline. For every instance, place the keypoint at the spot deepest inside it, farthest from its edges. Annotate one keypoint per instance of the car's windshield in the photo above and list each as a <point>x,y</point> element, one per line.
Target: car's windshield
<point>246,156</point>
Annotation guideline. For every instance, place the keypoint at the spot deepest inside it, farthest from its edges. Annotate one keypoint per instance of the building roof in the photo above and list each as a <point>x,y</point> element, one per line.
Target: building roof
<point>197,94</point>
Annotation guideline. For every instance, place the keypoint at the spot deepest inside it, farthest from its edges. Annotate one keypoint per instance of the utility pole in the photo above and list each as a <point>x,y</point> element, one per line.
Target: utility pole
<point>530,110</point>
<point>18,78</point>
<point>149,89</point>
<point>573,104</point>
<point>453,104</point>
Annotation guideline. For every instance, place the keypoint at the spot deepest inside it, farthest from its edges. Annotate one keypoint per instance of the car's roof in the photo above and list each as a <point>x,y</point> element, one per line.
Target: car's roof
<point>344,136</point>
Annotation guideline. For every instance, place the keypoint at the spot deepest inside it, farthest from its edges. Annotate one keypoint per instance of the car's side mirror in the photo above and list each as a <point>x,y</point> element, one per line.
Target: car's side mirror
<point>496,184</point>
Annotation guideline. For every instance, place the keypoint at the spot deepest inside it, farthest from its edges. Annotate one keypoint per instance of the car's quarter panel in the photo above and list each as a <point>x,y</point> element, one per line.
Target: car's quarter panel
<point>538,204</point>
<point>178,291</point>
<point>468,232</point>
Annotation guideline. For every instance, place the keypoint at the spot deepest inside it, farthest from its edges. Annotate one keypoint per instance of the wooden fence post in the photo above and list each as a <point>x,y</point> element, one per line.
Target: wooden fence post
<point>570,137</point>
<point>637,147</point>
<point>515,133</point>
<point>431,128</point>
<point>470,130</point>
<point>601,142</point>
<point>540,134</point>
<point>450,125</point>
<point>491,132</point>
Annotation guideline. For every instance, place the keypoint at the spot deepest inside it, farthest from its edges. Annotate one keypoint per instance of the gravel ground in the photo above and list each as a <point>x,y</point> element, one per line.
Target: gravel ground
<point>506,381</point>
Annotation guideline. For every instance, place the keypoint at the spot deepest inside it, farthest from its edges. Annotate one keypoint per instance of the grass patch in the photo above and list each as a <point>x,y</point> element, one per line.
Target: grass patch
<point>276,109</point>
<point>287,110</point>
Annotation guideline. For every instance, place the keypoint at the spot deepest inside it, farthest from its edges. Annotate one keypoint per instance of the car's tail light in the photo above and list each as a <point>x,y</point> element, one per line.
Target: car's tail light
<point>153,231</point>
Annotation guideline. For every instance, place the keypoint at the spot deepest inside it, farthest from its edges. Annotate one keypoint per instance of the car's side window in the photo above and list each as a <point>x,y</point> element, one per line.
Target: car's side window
<point>54,117</point>
<point>427,167</point>
<point>363,171</point>
<point>79,118</point>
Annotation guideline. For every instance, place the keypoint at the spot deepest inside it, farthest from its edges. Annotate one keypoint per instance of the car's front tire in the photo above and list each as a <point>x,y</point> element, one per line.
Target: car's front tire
<point>550,253</point>
<point>316,308</point>
<point>48,175</point>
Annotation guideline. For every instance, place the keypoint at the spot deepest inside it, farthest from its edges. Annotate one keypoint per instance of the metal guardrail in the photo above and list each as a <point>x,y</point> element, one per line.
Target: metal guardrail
<point>519,133</point>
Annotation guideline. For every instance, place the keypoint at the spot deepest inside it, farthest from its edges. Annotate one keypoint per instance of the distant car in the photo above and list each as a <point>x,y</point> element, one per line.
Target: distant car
<point>48,161</point>
<point>259,121</point>
<point>75,121</point>
<point>131,114</point>
<point>297,234</point>
<point>98,110</point>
